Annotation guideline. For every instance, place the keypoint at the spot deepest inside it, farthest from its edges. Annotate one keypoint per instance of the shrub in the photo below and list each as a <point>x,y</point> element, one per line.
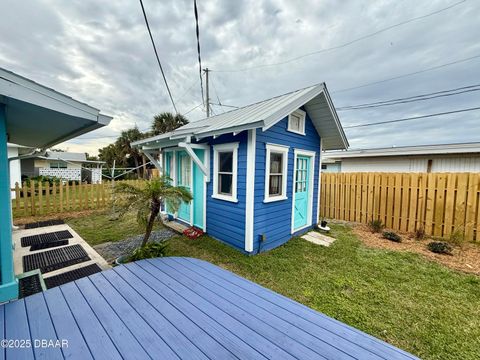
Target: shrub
<point>457,237</point>
<point>390,235</point>
<point>150,250</point>
<point>420,234</point>
<point>376,226</point>
<point>440,247</point>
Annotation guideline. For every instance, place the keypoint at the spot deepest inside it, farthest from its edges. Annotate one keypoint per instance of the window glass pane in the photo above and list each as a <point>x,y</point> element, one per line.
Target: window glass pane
<point>276,163</point>
<point>225,184</point>
<point>275,187</point>
<point>225,161</point>
<point>294,122</point>
<point>185,170</point>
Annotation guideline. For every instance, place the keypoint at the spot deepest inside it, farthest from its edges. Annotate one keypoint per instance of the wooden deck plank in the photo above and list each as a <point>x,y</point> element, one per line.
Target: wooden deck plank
<point>17,328</point>
<point>180,308</point>
<point>202,340</point>
<point>270,349</point>
<point>177,341</point>
<point>100,344</point>
<point>146,336</point>
<point>122,337</point>
<point>279,317</point>
<point>66,326</point>
<point>222,332</point>
<point>322,344</point>
<point>376,345</point>
<point>41,327</point>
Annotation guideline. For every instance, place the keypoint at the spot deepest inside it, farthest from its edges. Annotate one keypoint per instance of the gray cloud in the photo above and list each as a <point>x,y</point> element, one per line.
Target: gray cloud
<point>100,53</point>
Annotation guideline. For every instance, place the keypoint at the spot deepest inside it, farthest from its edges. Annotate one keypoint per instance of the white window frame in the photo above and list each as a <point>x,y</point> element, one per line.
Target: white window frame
<point>302,114</point>
<point>284,151</point>
<point>233,147</point>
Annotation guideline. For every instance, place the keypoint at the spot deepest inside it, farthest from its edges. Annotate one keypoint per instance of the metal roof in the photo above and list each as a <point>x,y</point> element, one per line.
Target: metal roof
<point>265,114</point>
<point>459,148</point>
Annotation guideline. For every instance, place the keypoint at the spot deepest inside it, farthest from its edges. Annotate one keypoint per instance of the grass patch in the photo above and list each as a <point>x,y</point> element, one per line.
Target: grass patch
<point>400,297</point>
<point>100,227</point>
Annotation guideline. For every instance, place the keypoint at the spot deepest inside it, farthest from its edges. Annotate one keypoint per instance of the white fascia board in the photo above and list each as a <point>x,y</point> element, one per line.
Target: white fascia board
<point>234,129</point>
<point>292,106</point>
<point>48,100</point>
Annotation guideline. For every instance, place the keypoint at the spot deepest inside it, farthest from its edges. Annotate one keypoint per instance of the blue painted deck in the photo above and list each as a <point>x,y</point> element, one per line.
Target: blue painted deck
<point>179,308</point>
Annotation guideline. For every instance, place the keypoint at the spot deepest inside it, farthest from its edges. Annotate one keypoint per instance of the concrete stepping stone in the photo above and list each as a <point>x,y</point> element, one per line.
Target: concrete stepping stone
<point>317,238</point>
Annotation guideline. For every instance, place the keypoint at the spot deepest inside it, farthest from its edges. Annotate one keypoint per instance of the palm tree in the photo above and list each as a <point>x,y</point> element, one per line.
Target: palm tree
<point>146,200</point>
<point>166,122</point>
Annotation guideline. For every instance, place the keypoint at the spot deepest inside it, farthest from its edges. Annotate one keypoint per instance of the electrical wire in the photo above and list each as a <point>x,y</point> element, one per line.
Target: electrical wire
<point>412,118</point>
<point>224,105</point>
<point>408,74</point>
<point>416,98</point>
<point>158,58</point>
<point>189,111</point>
<point>197,30</point>
<point>346,43</point>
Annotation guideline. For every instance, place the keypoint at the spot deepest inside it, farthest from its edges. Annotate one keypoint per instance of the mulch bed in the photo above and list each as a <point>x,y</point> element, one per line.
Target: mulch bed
<point>465,258</point>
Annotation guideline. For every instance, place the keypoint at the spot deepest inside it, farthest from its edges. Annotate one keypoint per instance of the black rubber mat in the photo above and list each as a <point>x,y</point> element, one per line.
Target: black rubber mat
<point>73,275</point>
<point>29,285</point>
<point>55,259</point>
<point>38,224</point>
<point>48,245</point>
<point>45,238</point>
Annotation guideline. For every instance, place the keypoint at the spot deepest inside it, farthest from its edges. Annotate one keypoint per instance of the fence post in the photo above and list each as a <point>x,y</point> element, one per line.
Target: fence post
<point>47,197</point>
<point>61,197</point>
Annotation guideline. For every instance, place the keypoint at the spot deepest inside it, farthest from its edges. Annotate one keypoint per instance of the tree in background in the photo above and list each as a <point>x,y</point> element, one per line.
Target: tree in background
<point>121,150</point>
<point>166,122</point>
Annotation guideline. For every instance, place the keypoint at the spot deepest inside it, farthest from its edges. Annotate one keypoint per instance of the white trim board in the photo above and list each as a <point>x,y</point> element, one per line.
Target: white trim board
<point>311,184</point>
<point>250,190</point>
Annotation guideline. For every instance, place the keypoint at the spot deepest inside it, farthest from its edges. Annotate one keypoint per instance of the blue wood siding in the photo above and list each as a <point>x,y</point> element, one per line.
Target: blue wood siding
<point>226,220</point>
<point>274,219</point>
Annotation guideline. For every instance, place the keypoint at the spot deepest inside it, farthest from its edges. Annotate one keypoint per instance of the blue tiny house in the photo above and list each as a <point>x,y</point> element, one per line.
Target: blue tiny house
<point>254,172</point>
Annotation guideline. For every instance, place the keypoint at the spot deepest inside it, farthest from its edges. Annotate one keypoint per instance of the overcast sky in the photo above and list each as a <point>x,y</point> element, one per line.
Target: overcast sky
<point>99,52</point>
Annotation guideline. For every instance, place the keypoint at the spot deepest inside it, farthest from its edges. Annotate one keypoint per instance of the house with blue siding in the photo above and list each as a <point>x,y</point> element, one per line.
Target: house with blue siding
<point>254,172</point>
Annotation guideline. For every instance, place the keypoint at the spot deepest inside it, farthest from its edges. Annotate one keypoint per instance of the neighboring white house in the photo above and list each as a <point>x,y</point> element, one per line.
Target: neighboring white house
<point>15,173</point>
<point>64,165</point>
<point>424,158</point>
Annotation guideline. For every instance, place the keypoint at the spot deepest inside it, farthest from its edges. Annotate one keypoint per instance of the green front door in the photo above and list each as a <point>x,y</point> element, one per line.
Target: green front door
<point>302,176</point>
<point>184,178</point>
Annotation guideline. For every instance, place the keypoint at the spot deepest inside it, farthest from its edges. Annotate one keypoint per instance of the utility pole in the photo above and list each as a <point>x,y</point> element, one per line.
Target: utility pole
<point>207,91</point>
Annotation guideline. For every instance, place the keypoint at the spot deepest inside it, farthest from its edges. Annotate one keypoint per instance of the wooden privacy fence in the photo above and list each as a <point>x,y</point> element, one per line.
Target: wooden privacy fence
<point>37,198</point>
<point>440,203</point>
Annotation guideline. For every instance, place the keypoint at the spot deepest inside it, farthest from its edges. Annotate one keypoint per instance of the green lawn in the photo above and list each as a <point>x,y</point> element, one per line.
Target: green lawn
<point>400,297</point>
<point>101,227</point>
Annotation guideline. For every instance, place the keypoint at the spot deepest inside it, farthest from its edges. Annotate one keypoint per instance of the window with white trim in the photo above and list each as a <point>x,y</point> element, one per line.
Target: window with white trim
<point>296,122</point>
<point>225,171</point>
<point>276,166</point>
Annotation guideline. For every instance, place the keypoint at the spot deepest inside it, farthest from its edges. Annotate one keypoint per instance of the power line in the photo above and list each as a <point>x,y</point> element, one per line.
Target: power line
<point>349,42</point>
<point>156,55</point>
<point>189,111</point>
<point>406,100</point>
<point>412,118</point>
<point>408,74</point>
<point>197,30</point>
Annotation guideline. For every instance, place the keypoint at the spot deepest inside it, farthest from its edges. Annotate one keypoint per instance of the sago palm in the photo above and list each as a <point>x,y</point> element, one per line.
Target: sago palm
<point>147,198</point>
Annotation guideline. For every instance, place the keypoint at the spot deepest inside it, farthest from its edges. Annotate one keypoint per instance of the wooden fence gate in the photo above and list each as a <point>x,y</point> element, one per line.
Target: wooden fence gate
<point>440,203</point>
